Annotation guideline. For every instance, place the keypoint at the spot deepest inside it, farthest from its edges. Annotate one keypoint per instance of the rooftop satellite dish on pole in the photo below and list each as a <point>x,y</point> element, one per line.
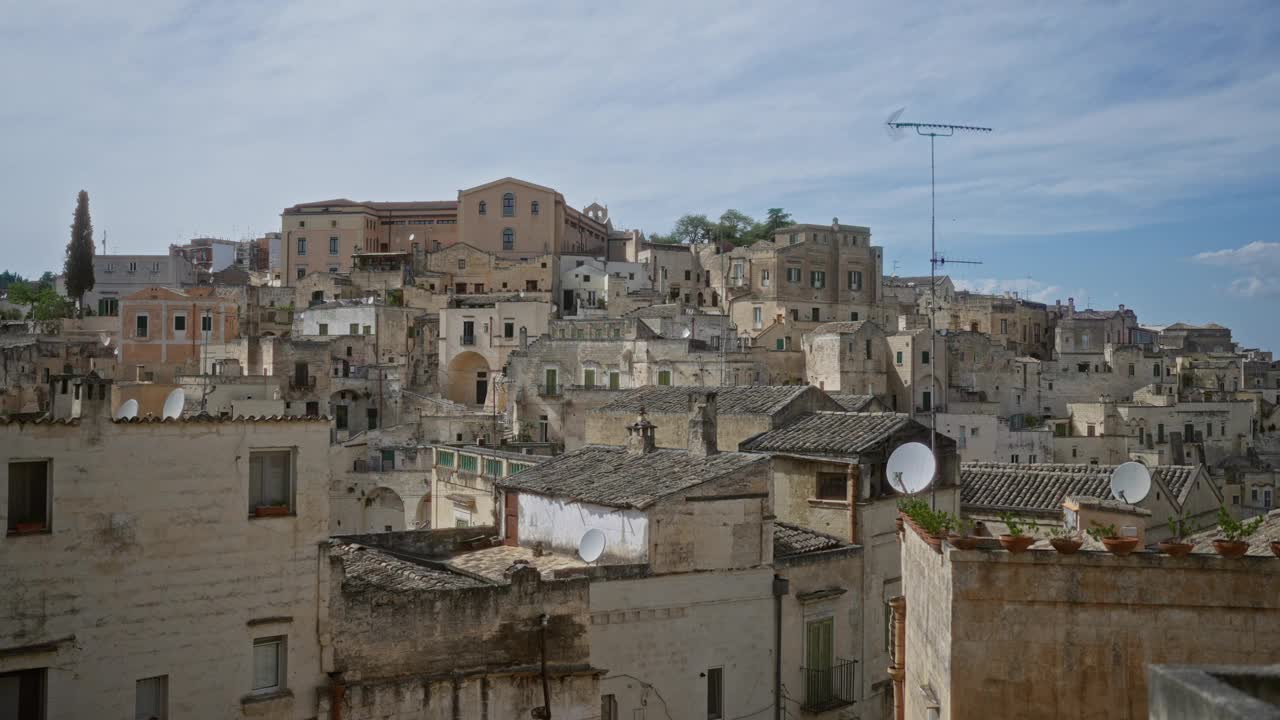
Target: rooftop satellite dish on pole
<point>911,468</point>
<point>173,404</point>
<point>128,410</point>
<point>591,546</point>
<point>1130,482</point>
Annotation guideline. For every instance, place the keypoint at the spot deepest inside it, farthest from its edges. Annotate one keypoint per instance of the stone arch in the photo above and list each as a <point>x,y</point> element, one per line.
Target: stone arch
<point>464,376</point>
<point>383,511</point>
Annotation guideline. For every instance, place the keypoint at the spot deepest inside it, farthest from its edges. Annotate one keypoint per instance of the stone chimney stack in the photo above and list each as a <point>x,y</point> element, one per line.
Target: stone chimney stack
<point>702,424</point>
<point>640,436</point>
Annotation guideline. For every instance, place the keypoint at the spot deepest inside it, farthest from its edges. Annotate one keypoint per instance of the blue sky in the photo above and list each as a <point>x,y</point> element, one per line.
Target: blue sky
<point>1134,160</point>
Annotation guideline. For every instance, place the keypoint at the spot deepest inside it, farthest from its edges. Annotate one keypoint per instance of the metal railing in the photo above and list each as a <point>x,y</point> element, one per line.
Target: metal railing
<point>550,390</point>
<point>830,687</point>
<point>468,339</point>
<point>296,382</point>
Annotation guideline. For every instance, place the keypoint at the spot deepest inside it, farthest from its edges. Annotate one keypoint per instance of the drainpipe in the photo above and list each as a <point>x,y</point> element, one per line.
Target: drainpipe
<point>337,695</point>
<point>546,688</point>
<point>781,587</point>
<point>898,670</point>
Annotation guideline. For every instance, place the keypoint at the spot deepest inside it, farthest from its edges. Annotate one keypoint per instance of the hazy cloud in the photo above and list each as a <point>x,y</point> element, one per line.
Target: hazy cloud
<point>1258,261</point>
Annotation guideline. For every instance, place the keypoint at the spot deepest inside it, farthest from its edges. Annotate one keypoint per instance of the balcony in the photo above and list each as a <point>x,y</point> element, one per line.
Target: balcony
<point>468,339</point>
<point>829,688</point>
<point>302,383</point>
<point>550,390</point>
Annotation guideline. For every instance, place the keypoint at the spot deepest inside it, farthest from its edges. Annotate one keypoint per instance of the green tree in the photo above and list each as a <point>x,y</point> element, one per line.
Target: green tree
<point>78,268</point>
<point>736,227</point>
<point>776,219</point>
<point>693,228</point>
<point>660,239</point>
<point>8,277</point>
<point>47,307</point>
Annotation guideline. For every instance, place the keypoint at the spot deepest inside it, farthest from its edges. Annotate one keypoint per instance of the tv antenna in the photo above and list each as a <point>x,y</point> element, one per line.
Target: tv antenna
<point>933,131</point>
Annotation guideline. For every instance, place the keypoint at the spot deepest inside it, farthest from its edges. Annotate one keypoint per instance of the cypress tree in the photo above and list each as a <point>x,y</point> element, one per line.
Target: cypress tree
<point>78,267</point>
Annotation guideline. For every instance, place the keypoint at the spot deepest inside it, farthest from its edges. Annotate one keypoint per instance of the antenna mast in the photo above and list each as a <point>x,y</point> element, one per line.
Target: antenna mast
<point>933,131</point>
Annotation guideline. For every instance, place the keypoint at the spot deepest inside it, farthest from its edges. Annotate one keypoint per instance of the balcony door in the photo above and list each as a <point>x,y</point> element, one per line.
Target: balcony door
<point>819,650</point>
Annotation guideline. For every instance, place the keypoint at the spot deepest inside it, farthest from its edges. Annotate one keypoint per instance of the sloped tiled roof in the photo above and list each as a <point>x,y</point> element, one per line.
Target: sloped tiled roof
<point>838,327</point>
<point>1042,487</point>
<point>852,403</point>
<point>664,310</point>
<point>613,477</point>
<point>789,540</point>
<point>149,419</point>
<point>730,400</point>
<point>367,568</point>
<point>831,433</point>
<point>379,205</point>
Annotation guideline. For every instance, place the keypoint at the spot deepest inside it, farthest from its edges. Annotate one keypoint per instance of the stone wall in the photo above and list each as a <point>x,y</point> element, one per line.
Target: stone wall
<point>1041,635</point>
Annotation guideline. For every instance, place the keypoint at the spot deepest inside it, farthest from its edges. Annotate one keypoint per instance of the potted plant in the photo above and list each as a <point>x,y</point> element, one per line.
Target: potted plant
<point>271,510</point>
<point>1016,540</point>
<point>909,507</point>
<point>1111,538</point>
<point>1231,542</point>
<point>1065,540</point>
<point>962,536</point>
<point>934,523</point>
<point>1176,545</point>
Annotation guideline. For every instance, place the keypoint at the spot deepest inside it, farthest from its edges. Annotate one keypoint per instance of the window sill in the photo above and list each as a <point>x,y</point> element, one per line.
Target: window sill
<point>25,533</point>
<point>822,503</point>
<point>265,513</point>
<point>256,698</point>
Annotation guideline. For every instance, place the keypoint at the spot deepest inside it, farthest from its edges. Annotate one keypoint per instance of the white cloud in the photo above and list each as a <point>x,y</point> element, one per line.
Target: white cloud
<point>1024,287</point>
<point>1259,263</point>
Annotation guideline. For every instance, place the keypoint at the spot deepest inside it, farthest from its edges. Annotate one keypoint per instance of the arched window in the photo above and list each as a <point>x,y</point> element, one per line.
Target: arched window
<point>508,239</point>
<point>484,207</point>
<point>533,207</point>
<point>509,205</point>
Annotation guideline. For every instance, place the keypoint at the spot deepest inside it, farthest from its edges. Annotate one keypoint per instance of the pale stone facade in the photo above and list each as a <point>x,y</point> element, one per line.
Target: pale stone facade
<point>152,567</point>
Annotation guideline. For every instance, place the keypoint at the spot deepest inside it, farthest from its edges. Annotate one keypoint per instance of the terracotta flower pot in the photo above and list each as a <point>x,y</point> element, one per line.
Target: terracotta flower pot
<point>1120,545</point>
<point>1275,548</point>
<point>898,523</point>
<point>1016,543</point>
<point>935,541</point>
<point>1231,548</point>
<point>962,542</point>
<point>1066,545</point>
<point>1175,549</point>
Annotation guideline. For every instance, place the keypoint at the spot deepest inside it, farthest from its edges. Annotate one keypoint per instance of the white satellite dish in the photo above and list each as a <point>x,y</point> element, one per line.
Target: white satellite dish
<point>911,467</point>
<point>686,333</point>
<point>173,404</point>
<point>1130,482</point>
<point>411,237</point>
<point>105,338</point>
<point>591,546</point>
<point>128,410</point>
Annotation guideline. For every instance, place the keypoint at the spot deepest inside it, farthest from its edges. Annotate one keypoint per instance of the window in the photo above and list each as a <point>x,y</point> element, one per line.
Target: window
<point>832,486</point>
<point>867,349</point>
<point>1004,326</point>
<point>1013,458</point>
<point>508,239</point>
<point>302,246</point>
<point>29,497</point>
<point>853,316</point>
<point>715,694</point>
<point>779,344</point>
<point>818,279</point>
<point>133,267</point>
<point>1160,432</point>
<point>813,314</point>
<point>589,377</point>
<point>664,377</point>
<point>268,664</point>
<point>22,694</point>
<point>508,329</point>
<point>179,323</point>
<point>324,328</point>
<point>615,380</point>
<point>333,245</point>
<point>151,698</point>
<point>354,329</point>
<point>493,467</point>
<point>206,323</point>
<point>444,458</point>
<point>1132,369</point>
<point>468,332</point>
<point>140,326</point>
<point>533,208</point>
<point>855,279</point>
<point>371,417</point>
<point>924,357</point>
<point>484,208</point>
<point>608,707</point>
<point>793,275</point>
<point>926,401</point>
<point>897,357</point>
<point>468,463</point>
<point>551,378</point>
<point>270,481</point>
<point>155,267</point>
<point>764,278</point>
<point>108,307</point>
<point>962,439</point>
<point>1091,430</point>
<point>757,317</point>
<point>509,205</point>
<point>819,649</point>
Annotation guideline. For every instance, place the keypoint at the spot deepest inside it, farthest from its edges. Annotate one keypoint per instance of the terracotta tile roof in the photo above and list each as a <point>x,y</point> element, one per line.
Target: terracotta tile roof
<point>613,477</point>
<point>20,420</point>
<point>790,540</point>
<point>831,433</point>
<point>367,568</point>
<point>838,327</point>
<point>1259,541</point>
<point>730,400</point>
<point>1042,487</point>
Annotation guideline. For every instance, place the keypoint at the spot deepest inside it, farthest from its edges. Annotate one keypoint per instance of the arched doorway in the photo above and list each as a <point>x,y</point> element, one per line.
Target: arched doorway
<point>422,519</point>
<point>468,379</point>
<point>384,511</point>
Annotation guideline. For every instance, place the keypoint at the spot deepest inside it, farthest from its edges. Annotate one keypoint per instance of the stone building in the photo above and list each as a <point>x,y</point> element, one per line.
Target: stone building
<point>1069,636</point>
<point>675,273</point>
<point>982,437</point>
<point>805,275</point>
<point>1037,493</point>
<point>1110,432</point>
<point>1188,338</point>
<point>165,331</point>
<point>464,270</point>
<point>117,276</point>
<point>477,335</point>
<point>1020,325</point>
<point>1088,331</point>
<point>480,647</point>
<point>162,569</point>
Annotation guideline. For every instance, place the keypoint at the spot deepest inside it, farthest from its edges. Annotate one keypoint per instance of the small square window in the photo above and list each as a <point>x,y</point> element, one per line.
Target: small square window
<point>179,323</point>
<point>269,665</point>
<point>29,497</point>
<point>151,698</point>
<point>271,482</point>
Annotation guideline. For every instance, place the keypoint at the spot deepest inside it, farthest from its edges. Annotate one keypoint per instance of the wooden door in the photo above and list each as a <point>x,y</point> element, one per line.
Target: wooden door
<point>511,515</point>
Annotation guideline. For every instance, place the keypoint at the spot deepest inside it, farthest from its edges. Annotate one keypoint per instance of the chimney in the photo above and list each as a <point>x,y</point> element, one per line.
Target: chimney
<point>702,424</point>
<point>640,436</point>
